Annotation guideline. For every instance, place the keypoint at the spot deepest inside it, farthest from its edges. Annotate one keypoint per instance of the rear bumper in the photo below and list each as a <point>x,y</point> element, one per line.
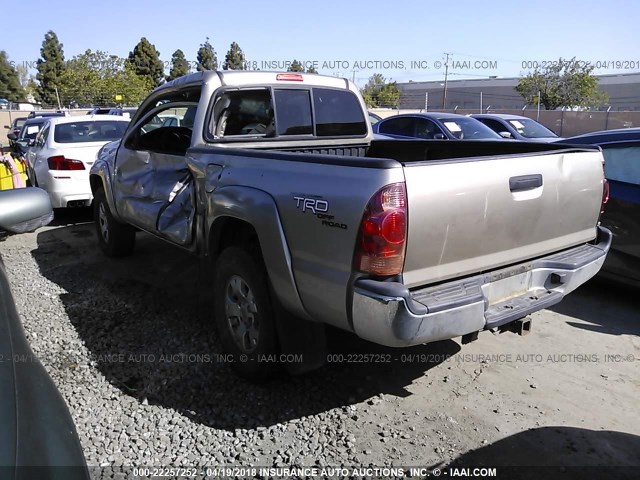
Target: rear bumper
<point>64,200</point>
<point>65,187</point>
<point>389,314</point>
<point>64,191</point>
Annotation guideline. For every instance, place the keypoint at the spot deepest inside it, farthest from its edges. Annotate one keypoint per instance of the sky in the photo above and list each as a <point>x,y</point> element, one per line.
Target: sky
<point>403,40</point>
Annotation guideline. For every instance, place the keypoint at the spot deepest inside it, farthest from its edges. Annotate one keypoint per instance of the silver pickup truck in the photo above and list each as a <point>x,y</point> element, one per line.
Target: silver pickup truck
<point>307,219</point>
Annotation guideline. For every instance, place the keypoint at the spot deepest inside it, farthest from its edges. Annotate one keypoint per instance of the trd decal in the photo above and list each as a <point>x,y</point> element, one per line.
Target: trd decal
<point>327,223</point>
<point>319,208</point>
<point>312,204</point>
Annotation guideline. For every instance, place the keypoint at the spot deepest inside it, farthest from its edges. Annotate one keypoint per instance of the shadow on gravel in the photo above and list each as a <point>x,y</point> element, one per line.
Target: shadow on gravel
<point>146,322</point>
<point>558,452</point>
<point>71,216</point>
<point>608,307</point>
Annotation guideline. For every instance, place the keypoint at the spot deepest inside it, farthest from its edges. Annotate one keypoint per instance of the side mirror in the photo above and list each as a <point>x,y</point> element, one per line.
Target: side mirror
<point>505,134</point>
<point>12,136</point>
<point>7,127</point>
<point>439,136</point>
<point>24,209</point>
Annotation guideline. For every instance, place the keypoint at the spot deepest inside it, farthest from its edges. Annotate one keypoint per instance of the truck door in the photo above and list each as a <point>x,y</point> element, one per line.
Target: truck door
<point>153,185</point>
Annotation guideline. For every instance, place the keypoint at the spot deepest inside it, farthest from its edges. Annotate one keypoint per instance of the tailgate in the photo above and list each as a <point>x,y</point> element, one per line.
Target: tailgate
<point>472,215</point>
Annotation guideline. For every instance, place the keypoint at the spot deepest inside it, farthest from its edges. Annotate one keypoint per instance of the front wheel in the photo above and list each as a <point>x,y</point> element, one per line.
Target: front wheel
<point>115,239</point>
<point>244,314</point>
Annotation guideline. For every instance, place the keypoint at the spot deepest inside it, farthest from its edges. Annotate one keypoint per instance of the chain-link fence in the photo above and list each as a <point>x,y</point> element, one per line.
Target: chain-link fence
<point>564,123</point>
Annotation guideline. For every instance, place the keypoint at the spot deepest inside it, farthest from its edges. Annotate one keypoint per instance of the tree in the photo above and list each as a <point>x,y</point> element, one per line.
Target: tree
<point>23,74</point>
<point>146,62</point>
<point>567,83</point>
<point>235,60</point>
<point>50,68</point>
<point>207,59</point>
<point>10,87</point>
<point>97,78</point>
<point>31,89</point>
<point>27,81</point>
<point>179,65</point>
<point>311,69</point>
<point>295,66</point>
<point>380,93</point>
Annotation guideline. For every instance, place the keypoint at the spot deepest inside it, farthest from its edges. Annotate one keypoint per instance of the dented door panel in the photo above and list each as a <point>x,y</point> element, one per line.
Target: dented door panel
<point>154,191</point>
<point>175,220</point>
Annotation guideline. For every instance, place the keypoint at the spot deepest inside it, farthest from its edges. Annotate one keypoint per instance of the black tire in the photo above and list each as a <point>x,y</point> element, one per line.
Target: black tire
<point>241,286</point>
<point>115,239</point>
<point>31,177</point>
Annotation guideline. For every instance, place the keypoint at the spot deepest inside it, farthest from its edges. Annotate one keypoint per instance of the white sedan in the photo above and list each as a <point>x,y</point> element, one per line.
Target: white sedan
<point>64,150</point>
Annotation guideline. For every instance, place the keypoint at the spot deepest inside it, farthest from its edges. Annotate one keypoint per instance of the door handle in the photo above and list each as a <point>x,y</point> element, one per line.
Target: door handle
<point>525,182</point>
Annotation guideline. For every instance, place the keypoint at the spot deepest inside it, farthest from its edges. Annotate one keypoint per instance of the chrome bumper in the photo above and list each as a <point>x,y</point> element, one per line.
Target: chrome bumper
<point>389,314</point>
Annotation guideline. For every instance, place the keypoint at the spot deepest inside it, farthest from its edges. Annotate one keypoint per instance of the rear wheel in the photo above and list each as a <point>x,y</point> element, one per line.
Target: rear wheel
<point>244,313</point>
<point>115,239</point>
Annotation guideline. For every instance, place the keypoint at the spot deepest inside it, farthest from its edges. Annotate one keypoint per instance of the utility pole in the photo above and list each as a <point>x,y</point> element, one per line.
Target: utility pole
<point>446,75</point>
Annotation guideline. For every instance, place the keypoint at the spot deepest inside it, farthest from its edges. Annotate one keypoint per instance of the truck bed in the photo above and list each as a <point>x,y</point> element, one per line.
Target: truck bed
<point>472,206</point>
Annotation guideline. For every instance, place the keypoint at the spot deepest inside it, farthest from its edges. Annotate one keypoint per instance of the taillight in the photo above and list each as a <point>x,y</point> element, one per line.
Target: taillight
<point>605,195</point>
<point>383,232</point>
<point>291,77</point>
<point>60,162</point>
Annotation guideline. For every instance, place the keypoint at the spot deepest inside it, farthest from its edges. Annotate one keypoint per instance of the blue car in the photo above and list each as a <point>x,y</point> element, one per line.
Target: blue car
<point>517,127</point>
<point>434,126</point>
<point>621,150</point>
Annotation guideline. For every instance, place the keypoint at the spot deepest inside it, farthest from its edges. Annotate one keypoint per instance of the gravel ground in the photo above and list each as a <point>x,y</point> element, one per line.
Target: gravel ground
<point>130,345</point>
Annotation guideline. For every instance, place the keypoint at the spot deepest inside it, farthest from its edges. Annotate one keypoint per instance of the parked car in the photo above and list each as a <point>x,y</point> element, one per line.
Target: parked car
<point>307,220</point>
<point>64,151</point>
<point>179,117</point>
<point>14,128</point>
<point>373,118</point>
<point>100,111</point>
<point>39,113</point>
<point>28,132</point>
<point>39,437</point>
<point>434,126</point>
<point>517,127</point>
<point>621,149</point>
<point>171,120</point>
<point>123,112</point>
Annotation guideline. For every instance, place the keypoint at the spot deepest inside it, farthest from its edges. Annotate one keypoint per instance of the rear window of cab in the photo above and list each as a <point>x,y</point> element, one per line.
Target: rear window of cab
<point>285,113</point>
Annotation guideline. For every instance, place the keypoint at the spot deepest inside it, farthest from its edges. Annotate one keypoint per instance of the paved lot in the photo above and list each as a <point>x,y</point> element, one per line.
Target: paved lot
<point>130,345</point>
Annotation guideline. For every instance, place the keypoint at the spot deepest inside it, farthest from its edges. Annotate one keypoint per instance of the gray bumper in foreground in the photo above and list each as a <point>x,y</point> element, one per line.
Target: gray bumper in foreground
<point>389,314</point>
